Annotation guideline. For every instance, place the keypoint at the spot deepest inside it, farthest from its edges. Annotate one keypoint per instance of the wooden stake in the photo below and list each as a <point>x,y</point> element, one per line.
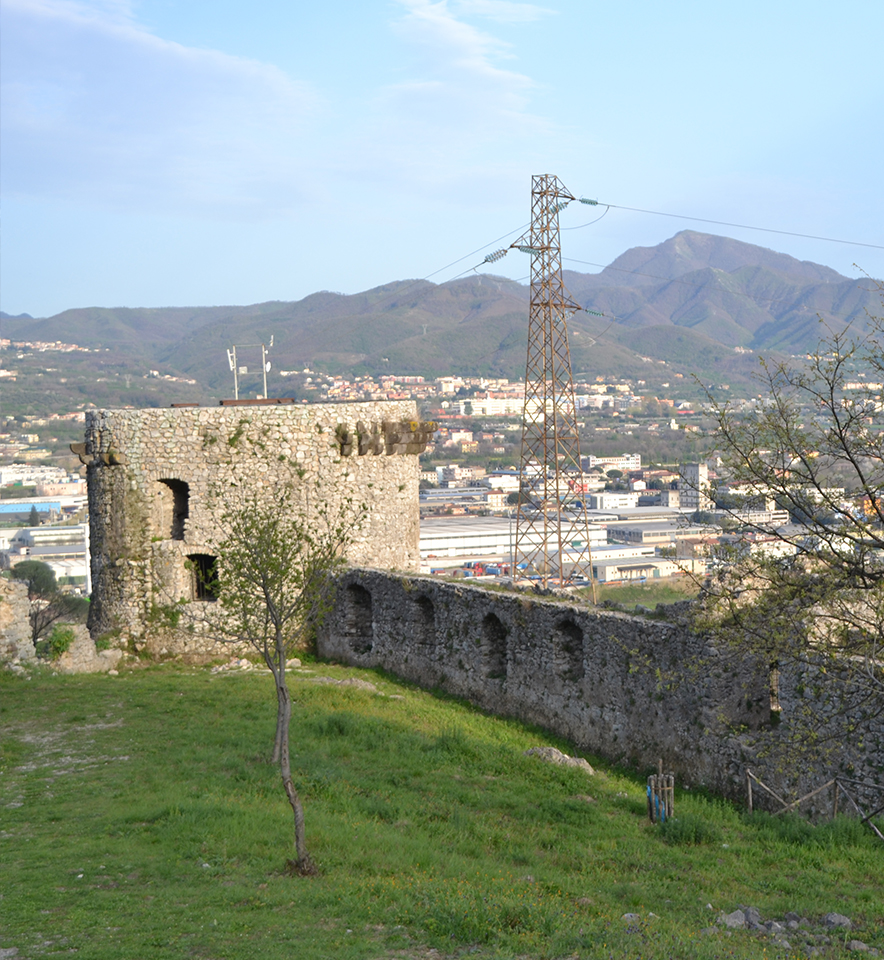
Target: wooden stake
<point>807,796</point>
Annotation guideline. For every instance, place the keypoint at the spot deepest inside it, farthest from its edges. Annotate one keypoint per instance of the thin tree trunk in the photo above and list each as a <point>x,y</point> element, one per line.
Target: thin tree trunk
<point>302,863</point>
<point>283,715</point>
<point>277,668</point>
<point>277,743</point>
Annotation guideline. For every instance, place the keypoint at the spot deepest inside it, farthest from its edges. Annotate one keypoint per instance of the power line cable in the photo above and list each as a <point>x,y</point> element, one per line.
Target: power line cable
<point>735,293</point>
<point>402,291</point>
<point>743,226</point>
<point>499,254</point>
<point>474,252</point>
<point>580,226</point>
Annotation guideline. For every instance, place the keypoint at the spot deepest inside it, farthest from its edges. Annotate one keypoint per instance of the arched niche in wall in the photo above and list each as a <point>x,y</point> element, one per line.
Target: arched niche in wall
<point>494,634</point>
<point>171,508</point>
<point>568,650</point>
<point>358,618</point>
<point>425,623</point>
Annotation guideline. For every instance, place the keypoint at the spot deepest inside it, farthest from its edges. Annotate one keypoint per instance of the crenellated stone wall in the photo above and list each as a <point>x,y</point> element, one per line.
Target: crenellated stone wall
<point>159,480</point>
<point>592,676</point>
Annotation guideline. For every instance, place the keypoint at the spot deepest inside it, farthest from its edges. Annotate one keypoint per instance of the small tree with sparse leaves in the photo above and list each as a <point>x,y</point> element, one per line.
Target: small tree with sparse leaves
<point>274,584</point>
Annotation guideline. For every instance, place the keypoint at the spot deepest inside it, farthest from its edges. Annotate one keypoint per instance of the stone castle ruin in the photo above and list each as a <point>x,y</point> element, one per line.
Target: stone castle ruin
<point>159,479</point>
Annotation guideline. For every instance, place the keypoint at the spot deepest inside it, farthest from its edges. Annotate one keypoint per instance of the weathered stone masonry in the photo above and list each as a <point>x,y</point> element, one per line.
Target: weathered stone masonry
<point>15,630</point>
<point>586,674</point>
<point>155,483</point>
<point>157,480</point>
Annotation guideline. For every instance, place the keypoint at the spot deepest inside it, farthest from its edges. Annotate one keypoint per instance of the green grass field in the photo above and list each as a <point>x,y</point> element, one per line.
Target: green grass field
<point>670,590</point>
<point>139,818</point>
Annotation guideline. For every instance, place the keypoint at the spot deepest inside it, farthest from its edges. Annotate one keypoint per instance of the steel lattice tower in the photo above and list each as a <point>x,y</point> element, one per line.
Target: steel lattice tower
<point>552,528</point>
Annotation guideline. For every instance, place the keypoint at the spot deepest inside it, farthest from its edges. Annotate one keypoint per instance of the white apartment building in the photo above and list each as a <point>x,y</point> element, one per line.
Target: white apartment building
<point>508,482</point>
<point>693,484</point>
<point>670,498</point>
<point>624,462</point>
<point>613,500</point>
<point>492,407</point>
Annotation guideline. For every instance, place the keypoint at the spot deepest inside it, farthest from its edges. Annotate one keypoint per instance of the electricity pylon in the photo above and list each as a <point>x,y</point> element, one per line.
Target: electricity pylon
<point>552,528</point>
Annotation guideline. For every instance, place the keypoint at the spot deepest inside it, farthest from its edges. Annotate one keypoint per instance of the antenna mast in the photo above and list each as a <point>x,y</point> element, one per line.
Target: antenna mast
<point>552,527</point>
<point>265,365</point>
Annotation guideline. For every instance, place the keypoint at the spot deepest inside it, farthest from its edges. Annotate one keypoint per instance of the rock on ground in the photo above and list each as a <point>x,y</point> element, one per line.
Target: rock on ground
<point>551,755</point>
<point>837,921</point>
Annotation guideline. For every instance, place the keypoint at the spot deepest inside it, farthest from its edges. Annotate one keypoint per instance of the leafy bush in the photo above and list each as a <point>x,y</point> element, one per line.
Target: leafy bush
<point>106,640</point>
<point>60,641</point>
<point>689,829</point>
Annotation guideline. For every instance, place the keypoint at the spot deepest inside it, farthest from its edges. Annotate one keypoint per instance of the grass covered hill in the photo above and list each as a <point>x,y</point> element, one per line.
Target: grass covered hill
<point>140,818</point>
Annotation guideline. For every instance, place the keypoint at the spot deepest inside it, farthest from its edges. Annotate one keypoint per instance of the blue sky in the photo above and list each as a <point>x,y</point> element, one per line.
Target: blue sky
<point>157,152</point>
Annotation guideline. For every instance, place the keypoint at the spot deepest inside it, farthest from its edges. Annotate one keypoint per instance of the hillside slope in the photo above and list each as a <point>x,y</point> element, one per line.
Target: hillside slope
<point>689,301</point>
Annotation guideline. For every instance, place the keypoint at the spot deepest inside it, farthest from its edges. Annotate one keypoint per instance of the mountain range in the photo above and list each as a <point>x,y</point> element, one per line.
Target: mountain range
<point>703,304</point>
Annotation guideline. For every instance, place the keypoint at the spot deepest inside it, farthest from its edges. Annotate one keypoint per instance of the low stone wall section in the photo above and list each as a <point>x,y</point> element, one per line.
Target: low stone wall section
<point>15,624</point>
<point>590,675</point>
<point>82,657</point>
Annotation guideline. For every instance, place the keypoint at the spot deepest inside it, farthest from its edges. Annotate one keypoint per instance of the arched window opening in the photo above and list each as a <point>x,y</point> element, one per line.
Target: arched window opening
<point>495,647</point>
<point>568,644</point>
<point>358,618</point>
<point>203,576</point>
<point>172,508</point>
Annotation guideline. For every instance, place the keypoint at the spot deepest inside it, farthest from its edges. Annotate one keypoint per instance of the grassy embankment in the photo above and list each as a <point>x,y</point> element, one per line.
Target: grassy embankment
<point>649,594</point>
<point>141,819</point>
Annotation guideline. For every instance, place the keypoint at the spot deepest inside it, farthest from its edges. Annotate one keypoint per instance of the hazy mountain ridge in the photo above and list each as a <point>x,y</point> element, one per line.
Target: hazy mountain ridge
<point>690,301</point>
<point>690,250</point>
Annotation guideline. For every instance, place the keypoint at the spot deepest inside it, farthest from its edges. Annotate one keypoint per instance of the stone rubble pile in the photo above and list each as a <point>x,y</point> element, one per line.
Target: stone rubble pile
<point>348,682</point>
<point>246,666</point>
<point>794,930</point>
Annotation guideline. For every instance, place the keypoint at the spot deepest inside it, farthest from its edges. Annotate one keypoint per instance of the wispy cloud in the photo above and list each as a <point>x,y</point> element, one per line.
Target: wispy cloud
<point>503,11</point>
<point>97,108</point>
<point>455,47</point>
<point>459,115</point>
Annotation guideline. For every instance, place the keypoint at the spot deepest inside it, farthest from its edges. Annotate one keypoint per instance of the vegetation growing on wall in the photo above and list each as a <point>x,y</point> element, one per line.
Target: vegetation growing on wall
<point>816,602</point>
